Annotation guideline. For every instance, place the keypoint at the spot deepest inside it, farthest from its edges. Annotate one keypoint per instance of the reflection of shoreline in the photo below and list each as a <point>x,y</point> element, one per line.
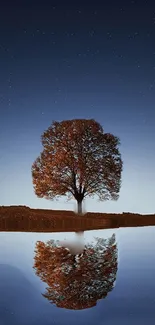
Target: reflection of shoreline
<point>37,220</point>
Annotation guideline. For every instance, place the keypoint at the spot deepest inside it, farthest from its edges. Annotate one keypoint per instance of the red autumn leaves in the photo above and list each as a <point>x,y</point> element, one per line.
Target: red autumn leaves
<point>78,160</point>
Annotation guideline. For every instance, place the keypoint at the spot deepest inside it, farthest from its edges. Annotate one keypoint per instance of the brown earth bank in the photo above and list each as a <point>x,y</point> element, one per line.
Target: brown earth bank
<point>23,218</point>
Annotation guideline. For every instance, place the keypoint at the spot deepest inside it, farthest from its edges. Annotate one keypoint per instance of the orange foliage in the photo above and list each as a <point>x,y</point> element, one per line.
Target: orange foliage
<point>78,160</point>
<point>75,285</point>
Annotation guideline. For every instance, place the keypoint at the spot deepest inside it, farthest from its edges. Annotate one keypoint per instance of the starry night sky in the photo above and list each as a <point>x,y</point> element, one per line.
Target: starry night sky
<point>63,61</point>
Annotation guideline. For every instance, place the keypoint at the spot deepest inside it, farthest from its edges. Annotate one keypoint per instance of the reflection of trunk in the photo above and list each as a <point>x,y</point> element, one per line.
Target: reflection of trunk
<point>79,244</point>
<point>74,261</point>
<point>79,207</point>
<point>80,233</point>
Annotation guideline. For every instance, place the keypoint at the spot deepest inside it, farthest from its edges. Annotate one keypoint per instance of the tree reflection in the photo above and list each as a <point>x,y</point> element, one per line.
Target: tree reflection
<point>72,284</point>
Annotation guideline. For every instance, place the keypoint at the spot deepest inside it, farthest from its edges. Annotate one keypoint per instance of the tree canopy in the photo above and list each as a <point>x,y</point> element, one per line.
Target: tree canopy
<point>77,286</point>
<point>78,160</point>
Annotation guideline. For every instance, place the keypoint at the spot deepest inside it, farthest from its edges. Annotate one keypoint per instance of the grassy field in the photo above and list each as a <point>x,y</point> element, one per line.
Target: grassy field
<point>22,218</point>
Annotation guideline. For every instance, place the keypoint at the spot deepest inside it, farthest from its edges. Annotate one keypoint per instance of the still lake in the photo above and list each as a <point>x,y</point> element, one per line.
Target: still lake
<point>128,291</point>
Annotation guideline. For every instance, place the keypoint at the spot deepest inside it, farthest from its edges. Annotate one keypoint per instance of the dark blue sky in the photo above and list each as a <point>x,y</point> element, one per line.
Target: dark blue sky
<point>64,61</point>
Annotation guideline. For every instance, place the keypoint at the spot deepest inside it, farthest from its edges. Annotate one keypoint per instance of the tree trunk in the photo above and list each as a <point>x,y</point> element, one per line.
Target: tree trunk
<point>79,203</point>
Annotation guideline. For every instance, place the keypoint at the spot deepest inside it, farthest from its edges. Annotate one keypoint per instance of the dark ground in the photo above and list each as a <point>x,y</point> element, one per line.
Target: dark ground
<point>22,218</point>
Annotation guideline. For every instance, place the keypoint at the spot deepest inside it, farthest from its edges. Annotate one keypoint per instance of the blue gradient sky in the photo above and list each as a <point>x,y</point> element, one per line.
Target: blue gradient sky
<point>73,61</point>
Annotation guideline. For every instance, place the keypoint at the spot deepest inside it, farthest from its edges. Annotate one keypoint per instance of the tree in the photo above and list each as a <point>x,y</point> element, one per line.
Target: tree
<point>77,286</point>
<point>78,160</point>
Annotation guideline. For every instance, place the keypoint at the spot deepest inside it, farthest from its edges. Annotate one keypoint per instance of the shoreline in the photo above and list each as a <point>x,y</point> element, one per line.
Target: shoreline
<point>22,218</point>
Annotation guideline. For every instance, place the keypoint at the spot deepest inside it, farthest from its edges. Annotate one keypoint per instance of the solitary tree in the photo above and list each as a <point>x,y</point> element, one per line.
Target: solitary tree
<point>78,160</point>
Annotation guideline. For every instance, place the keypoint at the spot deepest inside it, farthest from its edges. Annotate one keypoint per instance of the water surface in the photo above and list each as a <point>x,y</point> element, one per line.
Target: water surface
<point>130,301</point>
